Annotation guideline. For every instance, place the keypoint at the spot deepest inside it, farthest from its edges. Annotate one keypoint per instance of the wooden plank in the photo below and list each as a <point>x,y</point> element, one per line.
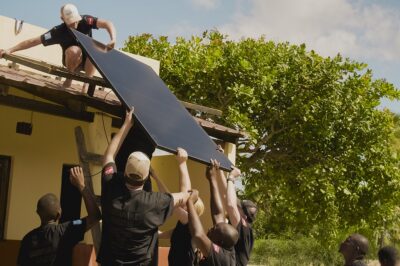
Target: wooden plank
<point>63,97</point>
<point>93,81</point>
<point>82,153</point>
<point>46,108</point>
<point>201,108</point>
<point>55,70</point>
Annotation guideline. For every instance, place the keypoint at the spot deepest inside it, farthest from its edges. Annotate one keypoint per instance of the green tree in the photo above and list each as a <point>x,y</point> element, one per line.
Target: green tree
<point>318,159</point>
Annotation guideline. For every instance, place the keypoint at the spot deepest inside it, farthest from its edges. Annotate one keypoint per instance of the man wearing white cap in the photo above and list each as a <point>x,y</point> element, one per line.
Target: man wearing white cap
<point>131,216</point>
<point>73,58</point>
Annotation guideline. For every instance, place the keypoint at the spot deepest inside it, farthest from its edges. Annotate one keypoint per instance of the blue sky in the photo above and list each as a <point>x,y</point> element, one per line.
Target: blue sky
<point>364,30</point>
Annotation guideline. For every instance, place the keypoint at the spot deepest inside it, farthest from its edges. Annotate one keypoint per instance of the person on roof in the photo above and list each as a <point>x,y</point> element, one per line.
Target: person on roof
<point>72,56</point>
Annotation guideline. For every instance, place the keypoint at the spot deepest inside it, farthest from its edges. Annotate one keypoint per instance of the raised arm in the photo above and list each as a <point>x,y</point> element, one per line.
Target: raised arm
<point>221,181</point>
<point>118,139</point>
<point>231,198</point>
<point>94,214</point>
<point>109,26</point>
<point>184,179</point>
<point>21,46</point>
<point>196,228</point>
<point>217,211</point>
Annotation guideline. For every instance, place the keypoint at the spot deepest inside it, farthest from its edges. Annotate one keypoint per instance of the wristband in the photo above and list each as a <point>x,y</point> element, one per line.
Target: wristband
<point>230,179</point>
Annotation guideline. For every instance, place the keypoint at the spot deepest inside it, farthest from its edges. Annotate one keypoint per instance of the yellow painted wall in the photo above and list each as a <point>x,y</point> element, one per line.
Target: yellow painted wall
<point>36,163</point>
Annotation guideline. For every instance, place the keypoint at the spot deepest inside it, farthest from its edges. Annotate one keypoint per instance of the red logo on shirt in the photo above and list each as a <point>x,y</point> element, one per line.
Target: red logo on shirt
<point>216,248</point>
<point>109,170</point>
<point>90,21</point>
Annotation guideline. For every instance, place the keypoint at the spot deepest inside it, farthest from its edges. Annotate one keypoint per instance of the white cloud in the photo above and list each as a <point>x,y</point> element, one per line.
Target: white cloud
<point>207,4</point>
<point>350,27</point>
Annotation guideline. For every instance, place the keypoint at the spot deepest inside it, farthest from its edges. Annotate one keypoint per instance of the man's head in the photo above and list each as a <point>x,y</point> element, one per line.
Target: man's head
<point>223,234</point>
<point>248,209</point>
<point>70,15</point>
<point>355,247</point>
<point>48,208</point>
<point>388,256</point>
<point>137,168</point>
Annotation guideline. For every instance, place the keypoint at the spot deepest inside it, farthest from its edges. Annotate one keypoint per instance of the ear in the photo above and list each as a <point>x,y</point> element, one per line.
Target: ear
<point>58,214</point>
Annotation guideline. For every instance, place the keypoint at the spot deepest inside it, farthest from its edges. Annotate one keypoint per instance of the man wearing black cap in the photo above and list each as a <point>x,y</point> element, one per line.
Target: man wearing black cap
<point>72,57</point>
<point>131,216</point>
<point>354,249</point>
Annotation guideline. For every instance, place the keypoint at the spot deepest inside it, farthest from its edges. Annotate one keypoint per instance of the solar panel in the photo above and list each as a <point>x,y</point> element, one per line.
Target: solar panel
<point>168,124</point>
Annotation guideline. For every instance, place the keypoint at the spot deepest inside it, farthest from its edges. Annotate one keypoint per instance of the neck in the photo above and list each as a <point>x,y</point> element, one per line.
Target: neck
<point>133,188</point>
<point>48,222</point>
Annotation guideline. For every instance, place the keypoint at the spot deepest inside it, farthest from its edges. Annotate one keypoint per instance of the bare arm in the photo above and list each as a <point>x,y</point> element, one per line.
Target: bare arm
<point>22,46</point>
<point>118,139</point>
<point>184,179</point>
<point>181,214</point>
<point>94,214</point>
<point>160,184</point>
<point>217,211</point>
<point>222,185</point>
<point>231,198</point>
<point>180,198</point>
<point>109,26</point>
<point>196,228</point>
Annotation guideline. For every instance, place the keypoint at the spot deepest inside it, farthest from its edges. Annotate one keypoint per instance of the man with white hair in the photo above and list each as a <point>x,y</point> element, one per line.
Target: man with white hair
<point>73,58</point>
<point>131,216</point>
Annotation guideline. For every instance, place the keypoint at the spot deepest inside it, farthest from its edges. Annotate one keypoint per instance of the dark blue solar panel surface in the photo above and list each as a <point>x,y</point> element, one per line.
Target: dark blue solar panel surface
<point>168,124</point>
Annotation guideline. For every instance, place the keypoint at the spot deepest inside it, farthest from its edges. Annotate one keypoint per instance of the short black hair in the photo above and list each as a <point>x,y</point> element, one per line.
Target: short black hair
<point>388,256</point>
<point>48,207</point>
<point>249,209</point>
<point>225,235</point>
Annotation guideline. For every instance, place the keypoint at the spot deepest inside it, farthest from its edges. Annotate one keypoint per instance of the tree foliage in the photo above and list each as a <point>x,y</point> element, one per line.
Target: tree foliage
<point>318,159</point>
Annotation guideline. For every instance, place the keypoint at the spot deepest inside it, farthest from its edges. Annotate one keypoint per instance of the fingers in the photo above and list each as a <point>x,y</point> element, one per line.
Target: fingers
<point>76,171</point>
<point>220,149</point>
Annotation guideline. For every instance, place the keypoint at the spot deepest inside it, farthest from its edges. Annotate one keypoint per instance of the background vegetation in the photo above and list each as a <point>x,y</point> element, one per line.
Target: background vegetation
<point>321,160</point>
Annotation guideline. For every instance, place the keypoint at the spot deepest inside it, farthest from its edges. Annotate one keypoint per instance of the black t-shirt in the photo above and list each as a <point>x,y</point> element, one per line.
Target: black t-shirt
<point>245,243</point>
<point>61,34</point>
<point>130,220</point>
<point>358,263</point>
<point>51,244</point>
<point>181,251</point>
<point>219,256</point>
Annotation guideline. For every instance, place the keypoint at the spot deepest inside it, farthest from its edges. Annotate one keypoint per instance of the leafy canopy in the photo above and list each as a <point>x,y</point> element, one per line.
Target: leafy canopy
<point>318,159</point>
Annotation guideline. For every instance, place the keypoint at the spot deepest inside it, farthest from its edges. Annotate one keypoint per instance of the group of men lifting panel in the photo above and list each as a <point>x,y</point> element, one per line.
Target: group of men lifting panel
<point>131,215</point>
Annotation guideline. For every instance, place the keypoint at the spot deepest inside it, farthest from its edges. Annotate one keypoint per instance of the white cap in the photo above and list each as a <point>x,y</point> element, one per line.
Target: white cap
<point>137,166</point>
<point>70,14</point>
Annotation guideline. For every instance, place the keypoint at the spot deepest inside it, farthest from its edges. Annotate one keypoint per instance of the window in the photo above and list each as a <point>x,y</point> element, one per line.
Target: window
<point>70,198</point>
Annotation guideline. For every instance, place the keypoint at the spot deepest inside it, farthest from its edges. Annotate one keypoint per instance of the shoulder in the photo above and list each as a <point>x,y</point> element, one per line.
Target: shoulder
<point>89,20</point>
<point>109,168</point>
